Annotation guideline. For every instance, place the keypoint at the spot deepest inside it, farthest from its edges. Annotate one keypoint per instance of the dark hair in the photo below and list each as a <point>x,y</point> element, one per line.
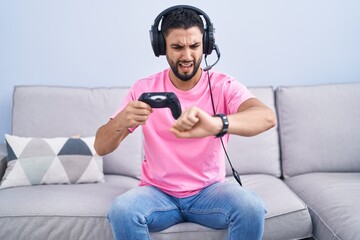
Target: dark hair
<point>181,18</point>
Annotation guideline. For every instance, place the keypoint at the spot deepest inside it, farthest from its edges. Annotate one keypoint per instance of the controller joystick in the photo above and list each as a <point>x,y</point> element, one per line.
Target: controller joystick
<point>163,100</point>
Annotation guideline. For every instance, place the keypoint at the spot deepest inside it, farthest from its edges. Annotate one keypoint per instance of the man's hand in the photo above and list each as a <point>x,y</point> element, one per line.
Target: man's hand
<point>109,136</point>
<point>196,123</point>
<point>134,114</point>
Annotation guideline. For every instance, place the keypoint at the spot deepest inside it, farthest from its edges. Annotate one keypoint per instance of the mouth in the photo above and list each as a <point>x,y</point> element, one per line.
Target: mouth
<point>186,66</point>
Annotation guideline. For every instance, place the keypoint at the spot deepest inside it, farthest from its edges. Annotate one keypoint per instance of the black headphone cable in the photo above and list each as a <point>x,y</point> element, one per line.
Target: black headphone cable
<point>207,68</point>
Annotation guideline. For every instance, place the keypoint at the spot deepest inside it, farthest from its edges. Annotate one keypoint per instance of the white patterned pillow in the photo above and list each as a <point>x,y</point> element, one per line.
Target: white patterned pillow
<point>35,161</point>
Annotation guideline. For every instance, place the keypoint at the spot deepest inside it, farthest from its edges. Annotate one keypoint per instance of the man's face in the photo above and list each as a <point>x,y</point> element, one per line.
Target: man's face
<point>184,49</point>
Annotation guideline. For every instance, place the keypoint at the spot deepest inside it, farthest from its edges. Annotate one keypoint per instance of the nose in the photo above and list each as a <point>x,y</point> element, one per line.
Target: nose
<point>186,55</point>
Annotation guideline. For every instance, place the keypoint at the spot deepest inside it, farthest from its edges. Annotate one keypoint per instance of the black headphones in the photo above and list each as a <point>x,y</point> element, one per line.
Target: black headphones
<point>158,41</point>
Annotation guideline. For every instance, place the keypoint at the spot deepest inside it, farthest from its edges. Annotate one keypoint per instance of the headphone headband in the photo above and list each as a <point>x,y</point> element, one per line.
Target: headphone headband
<point>196,10</point>
<point>158,41</point>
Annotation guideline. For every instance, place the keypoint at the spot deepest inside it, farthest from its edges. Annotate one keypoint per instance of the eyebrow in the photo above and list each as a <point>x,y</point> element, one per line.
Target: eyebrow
<point>196,44</point>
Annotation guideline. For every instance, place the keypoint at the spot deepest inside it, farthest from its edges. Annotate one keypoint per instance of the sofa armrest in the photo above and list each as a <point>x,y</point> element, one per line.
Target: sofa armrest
<point>3,159</point>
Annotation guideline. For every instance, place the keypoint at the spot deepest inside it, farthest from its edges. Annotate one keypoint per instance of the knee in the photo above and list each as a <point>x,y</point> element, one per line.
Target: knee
<point>119,208</point>
<point>248,218</point>
<point>257,209</point>
<point>251,207</point>
<point>116,209</point>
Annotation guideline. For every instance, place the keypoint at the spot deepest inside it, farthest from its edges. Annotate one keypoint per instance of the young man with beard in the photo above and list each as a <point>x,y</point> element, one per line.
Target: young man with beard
<point>183,173</point>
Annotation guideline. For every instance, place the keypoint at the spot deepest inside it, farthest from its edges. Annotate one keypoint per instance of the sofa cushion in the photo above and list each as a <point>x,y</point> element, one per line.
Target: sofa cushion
<point>52,111</point>
<point>189,231</point>
<point>319,128</point>
<point>126,159</point>
<point>287,216</point>
<point>257,154</point>
<point>75,211</point>
<point>333,202</point>
<point>34,161</point>
<point>79,211</point>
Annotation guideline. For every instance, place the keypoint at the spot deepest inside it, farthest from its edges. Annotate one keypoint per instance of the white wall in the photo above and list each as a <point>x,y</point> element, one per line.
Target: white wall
<point>106,42</point>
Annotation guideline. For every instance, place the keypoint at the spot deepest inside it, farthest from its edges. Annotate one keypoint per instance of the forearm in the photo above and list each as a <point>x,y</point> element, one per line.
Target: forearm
<point>109,136</point>
<point>252,118</point>
<point>251,121</point>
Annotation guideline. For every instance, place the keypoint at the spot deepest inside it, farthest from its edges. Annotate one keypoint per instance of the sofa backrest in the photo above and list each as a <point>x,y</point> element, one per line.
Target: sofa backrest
<point>52,111</point>
<point>319,128</point>
<point>260,153</point>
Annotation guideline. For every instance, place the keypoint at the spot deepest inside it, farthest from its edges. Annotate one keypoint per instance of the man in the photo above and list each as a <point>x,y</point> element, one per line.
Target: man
<point>183,173</point>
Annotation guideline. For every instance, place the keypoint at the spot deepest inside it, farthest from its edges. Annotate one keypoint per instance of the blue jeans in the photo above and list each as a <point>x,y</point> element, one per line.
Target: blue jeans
<point>221,205</point>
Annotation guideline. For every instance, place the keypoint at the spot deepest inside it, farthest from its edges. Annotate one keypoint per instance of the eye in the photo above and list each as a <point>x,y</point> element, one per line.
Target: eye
<point>176,47</point>
<point>195,46</point>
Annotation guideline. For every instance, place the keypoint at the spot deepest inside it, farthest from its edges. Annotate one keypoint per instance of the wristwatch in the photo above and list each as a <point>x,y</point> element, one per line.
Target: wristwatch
<point>225,126</point>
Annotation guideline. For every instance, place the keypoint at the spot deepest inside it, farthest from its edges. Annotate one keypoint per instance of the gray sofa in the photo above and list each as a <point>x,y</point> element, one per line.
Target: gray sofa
<point>307,169</point>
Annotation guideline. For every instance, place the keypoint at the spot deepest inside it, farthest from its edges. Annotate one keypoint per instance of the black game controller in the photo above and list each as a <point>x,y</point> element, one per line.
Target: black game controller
<point>162,100</point>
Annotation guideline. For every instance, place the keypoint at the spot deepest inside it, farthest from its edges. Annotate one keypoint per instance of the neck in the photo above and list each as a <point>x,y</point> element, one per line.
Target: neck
<point>185,85</point>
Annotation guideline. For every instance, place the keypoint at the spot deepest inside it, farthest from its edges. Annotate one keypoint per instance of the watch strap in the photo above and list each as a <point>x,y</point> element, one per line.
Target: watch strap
<point>225,126</point>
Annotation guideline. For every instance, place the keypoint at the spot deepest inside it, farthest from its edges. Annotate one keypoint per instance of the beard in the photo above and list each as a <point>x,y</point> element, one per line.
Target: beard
<point>184,76</point>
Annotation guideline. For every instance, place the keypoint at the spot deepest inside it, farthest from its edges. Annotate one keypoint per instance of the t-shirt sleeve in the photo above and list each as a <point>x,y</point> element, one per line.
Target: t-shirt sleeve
<point>237,93</point>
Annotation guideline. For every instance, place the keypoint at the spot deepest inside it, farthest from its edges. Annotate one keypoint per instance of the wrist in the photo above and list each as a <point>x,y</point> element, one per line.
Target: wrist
<point>119,122</point>
<point>225,125</point>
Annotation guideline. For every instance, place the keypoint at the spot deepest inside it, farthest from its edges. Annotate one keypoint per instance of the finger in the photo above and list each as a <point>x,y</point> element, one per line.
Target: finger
<point>136,105</point>
<point>139,108</point>
<point>132,120</point>
<point>186,121</point>
<point>184,125</point>
<point>180,134</point>
<point>137,113</point>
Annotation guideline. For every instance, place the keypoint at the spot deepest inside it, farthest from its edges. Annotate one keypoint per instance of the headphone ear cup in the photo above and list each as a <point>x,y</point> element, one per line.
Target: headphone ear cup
<point>205,43</point>
<point>208,40</point>
<point>157,41</point>
<point>162,44</point>
<point>154,40</point>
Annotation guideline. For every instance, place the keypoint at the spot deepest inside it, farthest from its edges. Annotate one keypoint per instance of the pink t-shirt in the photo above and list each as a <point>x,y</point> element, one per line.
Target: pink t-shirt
<point>182,167</point>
